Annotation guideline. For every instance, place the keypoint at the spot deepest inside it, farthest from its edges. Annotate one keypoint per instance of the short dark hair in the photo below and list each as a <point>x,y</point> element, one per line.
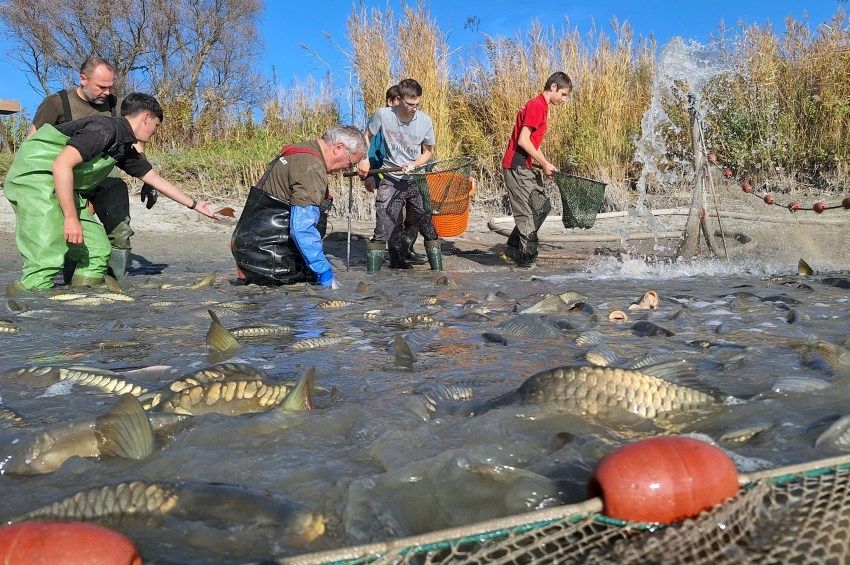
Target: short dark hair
<point>136,102</point>
<point>409,88</point>
<point>559,78</point>
<point>393,92</point>
<point>90,64</point>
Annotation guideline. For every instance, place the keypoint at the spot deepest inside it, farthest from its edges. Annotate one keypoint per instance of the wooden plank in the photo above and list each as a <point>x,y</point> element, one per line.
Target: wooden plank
<point>9,106</point>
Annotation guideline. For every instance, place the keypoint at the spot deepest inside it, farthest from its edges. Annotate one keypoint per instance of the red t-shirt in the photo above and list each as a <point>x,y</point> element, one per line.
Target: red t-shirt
<point>533,116</point>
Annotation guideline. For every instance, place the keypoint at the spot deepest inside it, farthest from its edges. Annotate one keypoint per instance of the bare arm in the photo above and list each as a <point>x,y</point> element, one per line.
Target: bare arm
<point>169,190</point>
<point>363,164</point>
<point>427,152</point>
<point>63,182</point>
<point>524,142</point>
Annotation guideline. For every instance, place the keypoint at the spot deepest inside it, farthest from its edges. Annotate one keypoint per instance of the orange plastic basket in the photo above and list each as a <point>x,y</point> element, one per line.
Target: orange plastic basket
<point>451,225</point>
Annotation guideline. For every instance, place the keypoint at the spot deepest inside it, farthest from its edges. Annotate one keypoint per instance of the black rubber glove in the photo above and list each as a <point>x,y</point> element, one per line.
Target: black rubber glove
<point>149,193</point>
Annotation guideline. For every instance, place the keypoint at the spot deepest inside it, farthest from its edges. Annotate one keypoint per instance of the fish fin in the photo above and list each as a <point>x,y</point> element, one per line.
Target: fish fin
<point>218,338</point>
<point>684,373</point>
<point>301,397</point>
<point>153,398</point>
<point>476,407</point>
<point>208,280</point>
<point>125,431</point>
<point>404,356</point>
<point>112,285</point>
<point>503,473</point>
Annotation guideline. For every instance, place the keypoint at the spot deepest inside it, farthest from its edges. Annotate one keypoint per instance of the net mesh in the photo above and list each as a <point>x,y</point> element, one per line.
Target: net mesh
<point>445,185</point>
<point>581,199</point>
<point>786,519</point>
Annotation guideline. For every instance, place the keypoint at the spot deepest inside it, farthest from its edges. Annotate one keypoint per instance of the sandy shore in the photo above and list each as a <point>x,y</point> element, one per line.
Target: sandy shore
<point>178,240</point>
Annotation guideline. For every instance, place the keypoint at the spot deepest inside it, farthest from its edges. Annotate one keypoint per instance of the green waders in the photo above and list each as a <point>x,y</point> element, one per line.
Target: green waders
<point>39,222</point>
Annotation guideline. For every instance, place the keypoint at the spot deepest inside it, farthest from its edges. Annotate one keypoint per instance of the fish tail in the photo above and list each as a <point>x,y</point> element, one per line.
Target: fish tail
<point>125,431</point>
<point>301,397</point>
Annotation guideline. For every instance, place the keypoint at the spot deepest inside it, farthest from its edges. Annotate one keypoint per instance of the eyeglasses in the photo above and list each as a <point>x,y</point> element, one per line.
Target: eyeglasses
<point>411,106</point>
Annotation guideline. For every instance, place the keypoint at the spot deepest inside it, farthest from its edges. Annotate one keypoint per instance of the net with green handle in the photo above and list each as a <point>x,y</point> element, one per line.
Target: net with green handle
<point>581,199</point>
<point>445,185</point>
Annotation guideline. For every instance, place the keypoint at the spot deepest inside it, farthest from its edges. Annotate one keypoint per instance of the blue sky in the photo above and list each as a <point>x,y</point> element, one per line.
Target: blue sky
<point>287,25</point>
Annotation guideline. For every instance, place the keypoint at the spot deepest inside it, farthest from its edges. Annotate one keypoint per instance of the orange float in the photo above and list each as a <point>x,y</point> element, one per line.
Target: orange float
<point>663,480</point>
<point>846,203</point>
<point>746,186</point>
<point>819,207</point>
<point>69,543</point>
<point>768,199</point>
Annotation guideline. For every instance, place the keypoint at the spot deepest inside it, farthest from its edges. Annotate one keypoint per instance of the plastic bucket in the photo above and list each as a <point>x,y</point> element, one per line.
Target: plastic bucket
<point>451,225</point>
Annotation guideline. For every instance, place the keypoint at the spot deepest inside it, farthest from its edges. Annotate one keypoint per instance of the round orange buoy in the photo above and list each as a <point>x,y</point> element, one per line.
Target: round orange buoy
<point>768,199</point>
<point>795,205</point>
<point>819,207</point>
<point>69,543</point>
<point>727,172</point>
<point>712,157</point>
<point>846,203</point>
<point>746,186</point>
<point>663,479</point>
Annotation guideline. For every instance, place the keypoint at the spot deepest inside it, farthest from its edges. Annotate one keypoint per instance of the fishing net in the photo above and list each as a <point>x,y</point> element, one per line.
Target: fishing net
<point>581,199</point>
<point>784,517</point>
<point>445,185</point>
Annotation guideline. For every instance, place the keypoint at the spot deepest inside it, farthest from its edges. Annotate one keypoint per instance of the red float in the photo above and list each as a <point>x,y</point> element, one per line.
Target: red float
<point>768,199</point>
<point>795,205</point>
<point>846,203</point>
<point>746,186</point>
<point>727,172</point>
<point>712,157</point>
<point>663,479</point>
<point>69,543</point>
<point>819,207</point>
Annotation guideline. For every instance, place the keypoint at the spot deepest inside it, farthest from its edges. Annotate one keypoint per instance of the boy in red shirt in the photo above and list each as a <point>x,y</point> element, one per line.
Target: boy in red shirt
<point>529,203</point>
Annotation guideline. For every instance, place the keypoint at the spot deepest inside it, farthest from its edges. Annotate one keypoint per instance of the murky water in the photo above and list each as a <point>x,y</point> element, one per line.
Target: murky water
<point>365,457</point>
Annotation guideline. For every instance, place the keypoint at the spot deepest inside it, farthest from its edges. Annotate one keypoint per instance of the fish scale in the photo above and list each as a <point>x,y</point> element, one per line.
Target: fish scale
<point>201,398</point>
<point>124,498</point>
<point>258,330</point>
<point>213,373</point>
<point>594,389</point>
<point>101,379</point>
<point>9,415</point>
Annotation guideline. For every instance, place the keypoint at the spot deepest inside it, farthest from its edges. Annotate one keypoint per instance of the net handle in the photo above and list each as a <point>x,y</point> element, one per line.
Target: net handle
<point>537,166</point>
<point>462,162</point>
<point>373,171</point>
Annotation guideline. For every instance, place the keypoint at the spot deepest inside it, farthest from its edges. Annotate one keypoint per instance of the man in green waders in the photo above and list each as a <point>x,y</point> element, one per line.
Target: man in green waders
<point>110,199</point>
<point>51,177</point>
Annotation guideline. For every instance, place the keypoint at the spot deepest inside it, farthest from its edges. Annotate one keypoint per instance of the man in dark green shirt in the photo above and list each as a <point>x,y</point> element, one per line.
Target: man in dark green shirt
<point>111,201</point>
<point>52,175</point>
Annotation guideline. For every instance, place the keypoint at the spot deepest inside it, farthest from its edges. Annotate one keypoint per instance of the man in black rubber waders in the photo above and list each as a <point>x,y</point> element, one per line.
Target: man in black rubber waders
<point>53,173</point>
<point>409,136</point>
<point>278,239</point>
<point>110,199</point>
<point>529,203</point>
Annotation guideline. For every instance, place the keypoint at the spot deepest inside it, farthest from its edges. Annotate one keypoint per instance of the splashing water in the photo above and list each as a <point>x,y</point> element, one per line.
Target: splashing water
<point>684,68</point>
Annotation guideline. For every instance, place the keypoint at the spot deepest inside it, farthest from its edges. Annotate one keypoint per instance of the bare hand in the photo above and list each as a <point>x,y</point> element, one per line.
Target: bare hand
<point>73,231</point>
<point>548,168</point>
<point>90,207</point>
<point>203,208</point>
<point>362,168</point>
<point>406,168</point>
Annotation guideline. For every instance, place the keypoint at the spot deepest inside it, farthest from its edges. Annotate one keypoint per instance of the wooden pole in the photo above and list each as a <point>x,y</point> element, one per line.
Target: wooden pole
<point>690,237</point>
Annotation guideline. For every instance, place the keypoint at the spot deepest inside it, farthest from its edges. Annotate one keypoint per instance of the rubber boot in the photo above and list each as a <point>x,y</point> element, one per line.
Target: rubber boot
<point>80,280</point>
<point>119,260</point>
<point>68,270</point>
<point>375,251</point>
<point>407,252</point>
<point>435,256</point>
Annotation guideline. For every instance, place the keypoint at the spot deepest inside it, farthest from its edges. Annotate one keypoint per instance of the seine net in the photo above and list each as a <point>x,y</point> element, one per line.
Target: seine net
<point>445,185</point>
<point>581,199</point>
<point>785,518</point>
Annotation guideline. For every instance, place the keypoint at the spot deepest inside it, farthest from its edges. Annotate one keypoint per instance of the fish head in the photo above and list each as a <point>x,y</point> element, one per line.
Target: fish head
<point>31,456</point>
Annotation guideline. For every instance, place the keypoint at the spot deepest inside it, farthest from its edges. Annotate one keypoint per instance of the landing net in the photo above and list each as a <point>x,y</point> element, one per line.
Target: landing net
<point>788,515</point>
<point>581,199</point>
<point>445,185</point>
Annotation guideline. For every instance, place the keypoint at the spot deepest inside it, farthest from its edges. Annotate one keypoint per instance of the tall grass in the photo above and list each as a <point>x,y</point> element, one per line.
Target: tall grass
<point>786,113</point>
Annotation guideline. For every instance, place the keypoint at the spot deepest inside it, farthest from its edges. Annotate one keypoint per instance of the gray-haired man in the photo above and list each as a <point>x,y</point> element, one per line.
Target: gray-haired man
<point>278,239</point>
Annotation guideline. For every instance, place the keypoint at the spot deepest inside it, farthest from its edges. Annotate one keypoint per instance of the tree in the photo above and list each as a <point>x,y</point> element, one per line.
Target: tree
<point>199,54</point>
